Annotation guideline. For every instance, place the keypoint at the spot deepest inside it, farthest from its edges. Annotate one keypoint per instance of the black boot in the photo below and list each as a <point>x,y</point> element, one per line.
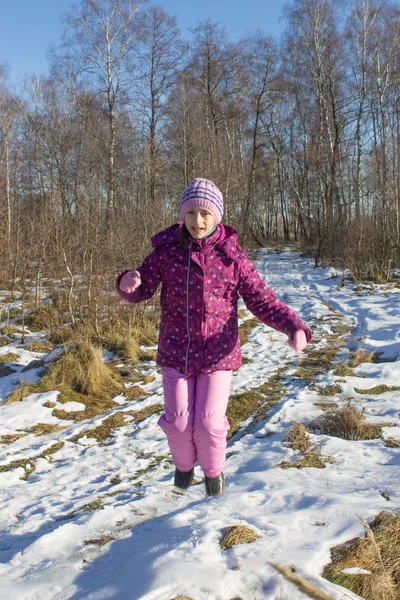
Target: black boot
<point>215,485</point>
<point>183,479</point>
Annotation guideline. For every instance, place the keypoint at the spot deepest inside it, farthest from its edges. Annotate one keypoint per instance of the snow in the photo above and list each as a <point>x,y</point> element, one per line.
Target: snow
<point>164,543</point>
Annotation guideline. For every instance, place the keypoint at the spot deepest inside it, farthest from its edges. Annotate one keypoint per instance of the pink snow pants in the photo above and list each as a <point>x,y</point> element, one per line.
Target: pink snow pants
<point>194,418</point>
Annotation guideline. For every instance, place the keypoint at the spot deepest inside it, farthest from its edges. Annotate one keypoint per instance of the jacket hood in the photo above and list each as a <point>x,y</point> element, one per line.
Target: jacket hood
<point>227,240</point>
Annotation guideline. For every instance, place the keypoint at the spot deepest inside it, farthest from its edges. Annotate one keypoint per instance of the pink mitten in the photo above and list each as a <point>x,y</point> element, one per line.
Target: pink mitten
<point>298,341</point>
<point>130,281</point>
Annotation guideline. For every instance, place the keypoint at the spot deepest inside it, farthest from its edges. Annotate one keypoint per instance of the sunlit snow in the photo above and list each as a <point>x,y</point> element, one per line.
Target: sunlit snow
<point>162,544</point>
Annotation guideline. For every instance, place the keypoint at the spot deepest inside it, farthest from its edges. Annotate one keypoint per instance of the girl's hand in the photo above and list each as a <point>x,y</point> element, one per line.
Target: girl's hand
<point>130,281</point>
<point>298,341</point>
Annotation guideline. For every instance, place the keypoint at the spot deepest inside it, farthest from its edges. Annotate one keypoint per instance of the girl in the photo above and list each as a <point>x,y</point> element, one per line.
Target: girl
<point>203,272</point>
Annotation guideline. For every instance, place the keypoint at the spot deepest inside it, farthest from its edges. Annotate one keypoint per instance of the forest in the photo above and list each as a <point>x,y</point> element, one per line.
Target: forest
<point>301,134</point>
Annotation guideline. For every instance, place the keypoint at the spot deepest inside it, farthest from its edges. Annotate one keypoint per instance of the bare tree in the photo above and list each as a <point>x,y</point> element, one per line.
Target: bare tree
<point>99,50</point>
<point>160,59</point>
<point>9,120</point>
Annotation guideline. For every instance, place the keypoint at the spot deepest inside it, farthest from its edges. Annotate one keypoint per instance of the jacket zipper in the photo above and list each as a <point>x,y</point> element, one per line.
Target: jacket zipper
<point>187,309</point>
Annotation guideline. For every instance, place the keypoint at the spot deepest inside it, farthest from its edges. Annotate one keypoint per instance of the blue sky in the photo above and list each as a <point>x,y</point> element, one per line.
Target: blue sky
<point>28,27</point>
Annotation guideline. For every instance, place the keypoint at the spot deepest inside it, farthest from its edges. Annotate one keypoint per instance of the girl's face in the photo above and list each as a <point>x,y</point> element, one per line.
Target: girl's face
<point>198,223</point>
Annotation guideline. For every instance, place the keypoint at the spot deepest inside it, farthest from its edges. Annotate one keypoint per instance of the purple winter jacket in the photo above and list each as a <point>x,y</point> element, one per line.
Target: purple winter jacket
<point>201,284</point>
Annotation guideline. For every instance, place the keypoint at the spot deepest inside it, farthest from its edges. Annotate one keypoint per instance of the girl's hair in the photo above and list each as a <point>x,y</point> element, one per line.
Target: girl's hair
<point>183,235</point>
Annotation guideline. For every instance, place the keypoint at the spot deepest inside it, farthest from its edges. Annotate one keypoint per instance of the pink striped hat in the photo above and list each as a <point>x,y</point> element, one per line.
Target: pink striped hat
<point>203,195</point>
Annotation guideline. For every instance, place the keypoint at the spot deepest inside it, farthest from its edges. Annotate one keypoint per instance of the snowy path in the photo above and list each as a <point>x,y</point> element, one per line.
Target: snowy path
<point>161,543</point>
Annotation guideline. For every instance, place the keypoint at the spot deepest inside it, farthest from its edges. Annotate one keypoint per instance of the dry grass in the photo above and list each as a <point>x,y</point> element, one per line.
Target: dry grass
<point>28,464</point>
<point>11,438</point>
<point>81,376</point>
<point>92,506</point>
<point>311,459</point>
<point>94,406</point>
<point>316,362</point>
<point>237,534</point>
<point>45,318</point>
<point>145,354</point>
<point>9,330</point>
<point>378,389</point>
<point>309,589</point>
<point>82,369</point>
<point>348,424</point>
<point>126,345</point>
<point>135,393</point>
<point>100,541</point>
<point>255,402</point>
<point>45,428</point>
<point>391,443</point>
<point>343,328</point>
<point>103,431</point>
<point>360,357</point>
<point>325,405</point>
<point>9,357</point>
<point>116,420</point>
<point>62,334</point>
<point>342,370</point>
<point>378,552</point>
<point>328,390</point>
<point>44,347</point>
<point>21,392</point>
<point>246,328</point>
<point>297,437</point>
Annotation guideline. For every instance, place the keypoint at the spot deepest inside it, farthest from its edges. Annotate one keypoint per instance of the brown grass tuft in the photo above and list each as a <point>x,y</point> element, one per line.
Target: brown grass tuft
<point>9,357</point>
<point>116,420</point>
<point>94,505</point>
<point>126,345</point>
<point>360,357</point>
<point>378,552</point>
<point>21,392</point>
<point>254,403</point>
<point>316,361</point>
<point>135,393</point>
<point>327,390</point>
<point>44,318</point>
<point>11,438</point>
<point>311,459</point>
<point>348,424</point>
<point>61,334</point>
<point>391,442</point>
<point>29,463</point>
<point>104,430</point>
<point>44,347</point>
<point>9,330</point>
<point>246,328</point>
<point>82,369</point>
<point>237,534</point>
<point>378,389</point>
<point>45,428</point>
<point>325,405</point>
<point>309,589</point>
<point>342,370</point>
<point>100,541</point>
<point>82,376</point>
<point>297,437</point>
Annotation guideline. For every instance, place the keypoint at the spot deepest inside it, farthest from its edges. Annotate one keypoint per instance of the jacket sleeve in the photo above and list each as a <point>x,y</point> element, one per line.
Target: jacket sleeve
<point>150,276</point>
<point>264,303</point>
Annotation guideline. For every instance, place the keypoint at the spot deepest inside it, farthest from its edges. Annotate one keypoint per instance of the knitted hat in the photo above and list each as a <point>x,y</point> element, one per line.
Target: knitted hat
<point>203,195</point>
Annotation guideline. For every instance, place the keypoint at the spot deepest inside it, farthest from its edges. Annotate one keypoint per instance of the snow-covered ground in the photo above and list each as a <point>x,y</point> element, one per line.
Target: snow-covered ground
<point>159,543</point>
